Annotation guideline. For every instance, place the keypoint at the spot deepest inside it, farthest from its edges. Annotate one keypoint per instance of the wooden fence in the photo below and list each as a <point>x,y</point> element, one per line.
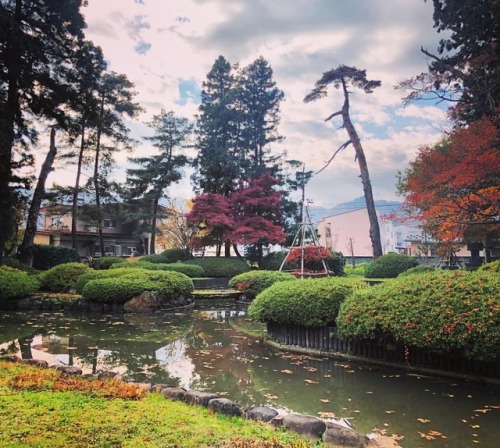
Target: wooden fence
<point>325,339</point>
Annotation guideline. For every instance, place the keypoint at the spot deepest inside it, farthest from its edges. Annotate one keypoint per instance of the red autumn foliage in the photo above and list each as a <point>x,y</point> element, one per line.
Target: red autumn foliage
<point>455,184</point>
<point>312,254</point>
<point>247,216</point>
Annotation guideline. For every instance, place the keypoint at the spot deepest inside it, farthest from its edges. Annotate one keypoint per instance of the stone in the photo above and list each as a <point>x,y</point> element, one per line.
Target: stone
<point>145,302</point>
<point>174,393</point>
<point>68,370</point>
<point>106,375</point>
<point>35,362</point>
<point>200,398</point>
<point>340,436</point>
<point>262,413</point>
<point>225,406</point>
<point>307,426</point>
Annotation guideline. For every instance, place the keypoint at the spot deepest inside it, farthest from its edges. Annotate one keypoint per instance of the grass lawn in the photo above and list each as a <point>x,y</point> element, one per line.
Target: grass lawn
<point>42,408</point>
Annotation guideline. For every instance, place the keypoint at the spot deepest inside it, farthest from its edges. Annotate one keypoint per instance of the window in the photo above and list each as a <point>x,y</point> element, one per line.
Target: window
<point>131,251</point>
<point>57,222</point>
<point>109,223</point>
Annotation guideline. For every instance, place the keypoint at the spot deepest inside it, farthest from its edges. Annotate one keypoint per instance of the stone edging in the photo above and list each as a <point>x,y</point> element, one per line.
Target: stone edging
<point>311,428</point>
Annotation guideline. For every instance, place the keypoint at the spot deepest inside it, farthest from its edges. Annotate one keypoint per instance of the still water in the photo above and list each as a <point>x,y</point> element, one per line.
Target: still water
<point>215,348</point>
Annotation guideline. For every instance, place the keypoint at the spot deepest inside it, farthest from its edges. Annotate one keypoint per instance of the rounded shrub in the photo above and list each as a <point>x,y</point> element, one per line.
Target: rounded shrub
<point>16,284</point>
<point>221,266</point>
<point>492,266</point>
<point>46,257</point>
<point>253,282</point>
<point>107,262</point>
<point>168,256</point>
<point>191,270</point>
<point>123,287</point>
<point>389,266</point>
<point>309,303</point>
<point>63,277</point>
<point>446,311</point>
<point>417,270</point>
<point>93,274</point>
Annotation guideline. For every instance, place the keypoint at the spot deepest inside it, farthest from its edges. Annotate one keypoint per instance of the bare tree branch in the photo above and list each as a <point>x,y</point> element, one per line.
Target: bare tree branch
<point>340,148</point>
<point>333,115</point>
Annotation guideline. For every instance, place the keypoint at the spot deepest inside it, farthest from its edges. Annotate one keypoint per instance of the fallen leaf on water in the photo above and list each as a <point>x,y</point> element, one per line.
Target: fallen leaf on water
<point>118,323</point>
<point>484,411</point>
<point>389,412</point>
<point>271,397</point>
<point>474,426</point>
<point>289,372</point>
<point>369,392</point>
<point>326,414</point>
<point>426,436</point>
<point>310,382</point>
<point>423,420</point>
<point>324,400</point>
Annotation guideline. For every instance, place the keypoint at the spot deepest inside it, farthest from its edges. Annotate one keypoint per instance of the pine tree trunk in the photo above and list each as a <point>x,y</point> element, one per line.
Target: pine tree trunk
<point>26,253</point>
<point>152,240</point>
<point>365,177</point>
<point>76,191</point>
<point>96,180</point>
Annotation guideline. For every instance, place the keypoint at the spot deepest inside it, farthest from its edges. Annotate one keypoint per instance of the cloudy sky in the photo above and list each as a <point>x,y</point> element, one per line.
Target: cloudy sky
<point>167,47</point>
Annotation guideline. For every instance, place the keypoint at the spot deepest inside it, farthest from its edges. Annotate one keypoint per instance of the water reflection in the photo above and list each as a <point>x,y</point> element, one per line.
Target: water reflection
<point>206,350</point>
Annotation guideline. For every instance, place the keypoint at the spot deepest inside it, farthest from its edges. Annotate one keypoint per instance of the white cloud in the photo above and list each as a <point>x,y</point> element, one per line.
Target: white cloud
<point>159,44</point>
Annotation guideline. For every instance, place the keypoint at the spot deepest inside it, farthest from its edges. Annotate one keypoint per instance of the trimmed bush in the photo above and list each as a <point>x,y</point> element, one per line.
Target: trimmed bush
<point>122,288</point>
<point>221,266</point>
<point>46,257</point>
<point>309,303</point>
<point>190,270</point>
<point>389,266</point>
<point>357,270</point>
<point>418,270</point>
<point>168,256</point>
<point>16,284</point>
<point>107,262</point>
<point>443,311</point>
<point>93,274</point>
<point>492,266</point>
<point>253,282</point>
<point>63,277</point>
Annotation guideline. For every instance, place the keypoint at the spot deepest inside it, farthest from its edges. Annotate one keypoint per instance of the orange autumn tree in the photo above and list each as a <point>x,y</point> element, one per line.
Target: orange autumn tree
<point>453,187</point>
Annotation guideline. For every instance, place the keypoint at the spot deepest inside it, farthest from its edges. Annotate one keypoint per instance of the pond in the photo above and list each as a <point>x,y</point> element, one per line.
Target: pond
<point>215,348</point>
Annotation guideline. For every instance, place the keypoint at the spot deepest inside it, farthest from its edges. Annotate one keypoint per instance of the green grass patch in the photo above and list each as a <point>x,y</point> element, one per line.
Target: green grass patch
<point>47,418</point>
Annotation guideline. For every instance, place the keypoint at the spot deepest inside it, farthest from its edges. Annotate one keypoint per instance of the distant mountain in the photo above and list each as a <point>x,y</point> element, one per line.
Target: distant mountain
<point>318,213</point>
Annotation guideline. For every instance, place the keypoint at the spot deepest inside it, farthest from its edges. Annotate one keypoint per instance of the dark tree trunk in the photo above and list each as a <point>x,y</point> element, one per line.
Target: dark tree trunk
<point>26,250</point>
<point>76,191</point>
<point>152,241</point>
<point>96,179</point>
<point>7,125</point>
<point>365,177</point>
<point>227,249</point>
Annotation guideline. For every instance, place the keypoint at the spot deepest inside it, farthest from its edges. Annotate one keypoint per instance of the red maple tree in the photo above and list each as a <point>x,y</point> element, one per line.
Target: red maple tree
<point>454,185</point>
<point>249,215</point>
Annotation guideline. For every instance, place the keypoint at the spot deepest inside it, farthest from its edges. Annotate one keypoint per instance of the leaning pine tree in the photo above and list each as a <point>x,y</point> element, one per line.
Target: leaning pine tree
<point>340,77</point>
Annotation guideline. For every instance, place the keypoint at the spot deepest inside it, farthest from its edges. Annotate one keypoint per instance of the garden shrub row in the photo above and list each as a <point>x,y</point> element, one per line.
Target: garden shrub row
<point>443,311</point>
<point>168,256</point>
<point>93,274</point>
<point>129,284</point>
<point>309,303</point>
<point>107,262</point>
<point>253,282</point>
<point>191,270</point>
<point>46,257</point>
<point>221,266</point>
<point>15,284</point>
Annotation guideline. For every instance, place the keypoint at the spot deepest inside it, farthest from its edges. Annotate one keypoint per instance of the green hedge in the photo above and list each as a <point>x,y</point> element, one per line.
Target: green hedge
<point>309,303</point>
<point>253,282</point>
<point>443,311</point>
<point>93,274</point>
<point>46,257</point>
<point>190,270</point>
<point>221,266</point>
<point>389,266</point>
<point>122,288</point>
<point>107,262</point>
<point>492,266</point>
<point>417,270</point>
<point>16,284</point>
<point>63,277</point>
<point>168,256</point>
